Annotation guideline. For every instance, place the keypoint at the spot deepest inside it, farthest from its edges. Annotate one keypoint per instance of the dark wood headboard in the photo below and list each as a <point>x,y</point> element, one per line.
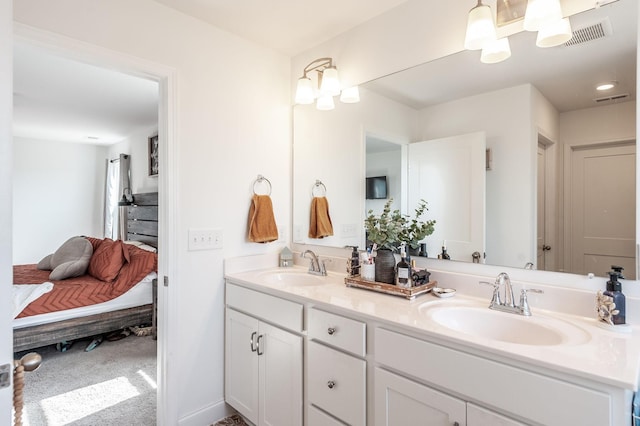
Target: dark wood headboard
<point>142,219</point>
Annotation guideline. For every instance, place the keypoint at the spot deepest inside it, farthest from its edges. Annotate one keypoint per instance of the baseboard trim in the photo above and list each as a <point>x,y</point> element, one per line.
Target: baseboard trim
<point>207,415</point>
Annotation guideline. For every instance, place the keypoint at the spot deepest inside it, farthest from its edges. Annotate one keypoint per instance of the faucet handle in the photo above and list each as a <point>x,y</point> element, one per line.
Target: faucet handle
<point>495,299</point>
<point>524,302</point>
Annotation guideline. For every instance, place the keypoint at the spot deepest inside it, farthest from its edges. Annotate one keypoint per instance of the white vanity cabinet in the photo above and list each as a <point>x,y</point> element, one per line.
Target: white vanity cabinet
<point>400,401</point>
<point>528,395</point>
<point>336,369</point>
<point>263,357</point>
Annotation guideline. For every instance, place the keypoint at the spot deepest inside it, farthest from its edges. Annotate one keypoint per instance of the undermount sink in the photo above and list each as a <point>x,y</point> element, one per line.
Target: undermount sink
<point>290,277</point>
<point>482,322</point>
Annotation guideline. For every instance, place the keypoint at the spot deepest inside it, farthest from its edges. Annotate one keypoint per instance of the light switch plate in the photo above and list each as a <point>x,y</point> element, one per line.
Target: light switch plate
<point>205,239</point>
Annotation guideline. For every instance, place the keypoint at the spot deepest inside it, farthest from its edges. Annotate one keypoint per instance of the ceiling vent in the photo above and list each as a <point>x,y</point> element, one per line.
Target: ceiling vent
<point>591,32</point>
<point>612,98</point>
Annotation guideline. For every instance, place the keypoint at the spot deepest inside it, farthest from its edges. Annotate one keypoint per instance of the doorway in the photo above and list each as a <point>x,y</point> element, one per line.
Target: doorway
<point>166,78</point>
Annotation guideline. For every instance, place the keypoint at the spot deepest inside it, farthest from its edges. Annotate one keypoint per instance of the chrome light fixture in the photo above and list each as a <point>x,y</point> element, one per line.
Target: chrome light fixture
<point>328,85</point>
<point>543,16</point>
<point>480,27</point>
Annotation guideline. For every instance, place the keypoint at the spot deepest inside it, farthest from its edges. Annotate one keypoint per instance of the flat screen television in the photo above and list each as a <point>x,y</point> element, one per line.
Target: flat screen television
<point>376,187</point>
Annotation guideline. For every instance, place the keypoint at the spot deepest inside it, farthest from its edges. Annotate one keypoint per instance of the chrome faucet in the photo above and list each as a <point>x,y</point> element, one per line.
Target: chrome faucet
<point>316,267</point>
<point>508,305</point>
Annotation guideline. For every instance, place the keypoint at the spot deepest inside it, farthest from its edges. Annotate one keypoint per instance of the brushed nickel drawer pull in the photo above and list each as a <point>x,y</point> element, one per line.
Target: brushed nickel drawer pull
<point>331,331</point>
<point>331,384</point>
<point>253,339</point>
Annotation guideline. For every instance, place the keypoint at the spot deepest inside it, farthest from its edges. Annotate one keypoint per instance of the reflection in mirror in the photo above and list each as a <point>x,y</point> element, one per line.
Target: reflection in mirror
<point>546,125</point>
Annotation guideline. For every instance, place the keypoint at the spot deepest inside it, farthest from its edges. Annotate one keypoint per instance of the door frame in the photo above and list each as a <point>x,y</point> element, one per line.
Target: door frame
<point>167,410</point>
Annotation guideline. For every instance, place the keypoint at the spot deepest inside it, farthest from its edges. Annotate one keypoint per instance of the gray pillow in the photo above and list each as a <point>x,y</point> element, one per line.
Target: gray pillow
<point>70,260</point>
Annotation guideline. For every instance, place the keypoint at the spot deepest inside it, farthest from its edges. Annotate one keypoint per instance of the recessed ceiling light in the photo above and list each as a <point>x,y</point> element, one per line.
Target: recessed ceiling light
<point>606,86</point>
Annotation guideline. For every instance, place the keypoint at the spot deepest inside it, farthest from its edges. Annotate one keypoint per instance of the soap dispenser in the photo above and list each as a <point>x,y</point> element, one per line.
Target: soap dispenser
<point>614,290</point>
<point>353,264</point>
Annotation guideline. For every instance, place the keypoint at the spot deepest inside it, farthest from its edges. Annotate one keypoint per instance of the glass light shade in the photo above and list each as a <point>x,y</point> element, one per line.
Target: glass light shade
<point>540,13</point>
<point>350,95</point>
<point>325,103</point>
<point>330,84</point>
<point>480,27</point>
<point>304,91</point>
<point>496,51</point>
<point>554,34</point>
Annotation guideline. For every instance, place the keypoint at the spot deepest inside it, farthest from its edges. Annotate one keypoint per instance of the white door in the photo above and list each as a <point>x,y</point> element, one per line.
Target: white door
<point>280,355</point>
<point>241,364</point>
<point>449,174</point>
<point>603,209</point>
<point>400,401</point>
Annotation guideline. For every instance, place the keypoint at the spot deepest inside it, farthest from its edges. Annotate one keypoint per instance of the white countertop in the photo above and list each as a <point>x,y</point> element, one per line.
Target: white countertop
<point>608,357</point>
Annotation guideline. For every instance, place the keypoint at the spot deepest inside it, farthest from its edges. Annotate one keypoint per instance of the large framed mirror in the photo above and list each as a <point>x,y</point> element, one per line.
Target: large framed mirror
<point>560,155</point>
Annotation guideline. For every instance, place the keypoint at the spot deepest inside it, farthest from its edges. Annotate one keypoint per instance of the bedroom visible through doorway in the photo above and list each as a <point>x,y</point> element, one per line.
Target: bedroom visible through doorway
<point>60,171</point>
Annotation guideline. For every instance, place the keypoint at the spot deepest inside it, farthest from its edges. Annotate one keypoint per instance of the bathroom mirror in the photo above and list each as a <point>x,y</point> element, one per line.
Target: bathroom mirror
<point>538,104</point>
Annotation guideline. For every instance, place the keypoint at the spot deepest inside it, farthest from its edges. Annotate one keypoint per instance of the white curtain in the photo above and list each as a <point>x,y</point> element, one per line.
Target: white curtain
<point>112,196</point>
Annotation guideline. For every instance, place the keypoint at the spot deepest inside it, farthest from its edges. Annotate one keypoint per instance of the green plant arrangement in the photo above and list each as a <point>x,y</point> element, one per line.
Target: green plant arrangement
<point>415,230</point>
<point>391,228</point>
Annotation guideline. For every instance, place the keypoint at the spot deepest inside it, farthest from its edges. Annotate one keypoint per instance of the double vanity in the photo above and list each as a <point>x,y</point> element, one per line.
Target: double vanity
<point>306,349</point>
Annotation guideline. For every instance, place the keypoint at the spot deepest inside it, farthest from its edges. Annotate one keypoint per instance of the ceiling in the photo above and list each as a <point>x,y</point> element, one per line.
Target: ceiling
<point>61,99</point>
<point>55,98</point>
<point>289,26</point>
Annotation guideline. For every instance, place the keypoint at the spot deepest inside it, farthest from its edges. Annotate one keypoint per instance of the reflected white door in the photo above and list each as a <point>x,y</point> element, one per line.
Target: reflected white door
<point>449,174</point>
<point>603,209</point>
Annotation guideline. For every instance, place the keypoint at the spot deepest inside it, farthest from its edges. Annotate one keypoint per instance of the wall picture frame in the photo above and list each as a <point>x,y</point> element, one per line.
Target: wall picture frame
<point>153,156</point>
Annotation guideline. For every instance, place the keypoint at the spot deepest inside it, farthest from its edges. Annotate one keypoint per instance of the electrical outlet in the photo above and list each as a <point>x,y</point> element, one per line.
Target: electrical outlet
<point>348,230</point>
<point>205,239</point>
<point>282,232</point>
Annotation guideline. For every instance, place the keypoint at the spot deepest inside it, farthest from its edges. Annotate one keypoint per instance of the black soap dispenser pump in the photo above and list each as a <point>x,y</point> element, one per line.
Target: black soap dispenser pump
<point>614,290</point>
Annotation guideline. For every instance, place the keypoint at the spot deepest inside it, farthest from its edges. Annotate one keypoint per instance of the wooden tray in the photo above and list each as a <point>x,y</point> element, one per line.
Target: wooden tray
<point>409,293</point>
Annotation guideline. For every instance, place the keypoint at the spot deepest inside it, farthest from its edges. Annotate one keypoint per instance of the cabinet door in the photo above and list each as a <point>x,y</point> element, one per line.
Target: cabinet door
<point>478,416</point>
<point>241,364</point>
<point>280,358</point>
<point>400,401</point>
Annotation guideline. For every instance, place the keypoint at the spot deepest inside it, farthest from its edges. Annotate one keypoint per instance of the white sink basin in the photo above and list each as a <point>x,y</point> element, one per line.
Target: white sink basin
<point>290,277</point>
<point>535,330</point>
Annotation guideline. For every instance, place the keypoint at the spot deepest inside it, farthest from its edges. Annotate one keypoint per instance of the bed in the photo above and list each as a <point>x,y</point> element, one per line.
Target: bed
<point>134,303</point>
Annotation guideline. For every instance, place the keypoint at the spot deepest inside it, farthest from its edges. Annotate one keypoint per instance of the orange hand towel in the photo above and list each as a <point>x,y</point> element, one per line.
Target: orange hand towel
<point>262,223</point>
<point>320,225</point>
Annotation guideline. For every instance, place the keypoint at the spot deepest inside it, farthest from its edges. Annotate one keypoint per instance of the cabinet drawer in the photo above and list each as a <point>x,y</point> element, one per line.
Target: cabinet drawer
<point>338,331</point>
<point>337,383</point>
<point>530,395</point>
<point>273,309</point>
<point>317,417</point>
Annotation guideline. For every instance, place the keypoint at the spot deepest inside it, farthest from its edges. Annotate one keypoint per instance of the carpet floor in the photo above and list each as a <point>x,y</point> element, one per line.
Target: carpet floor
<point>114,384</point>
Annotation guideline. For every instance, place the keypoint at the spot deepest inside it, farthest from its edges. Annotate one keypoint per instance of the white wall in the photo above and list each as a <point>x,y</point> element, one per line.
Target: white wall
<point>616,122</point>
<point>6,160</point>
<point>329,145</point>
<point>509,209</point>
<point>58,193</point>
<point>136,145</point>
<point>233,123</point>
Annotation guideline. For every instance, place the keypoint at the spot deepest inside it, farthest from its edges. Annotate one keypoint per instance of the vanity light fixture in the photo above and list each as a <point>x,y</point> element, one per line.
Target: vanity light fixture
<point>328,86</point>
<point>496,51</point>
<point>544,16</point>
<point>541,13</point>
<point>480,27</point>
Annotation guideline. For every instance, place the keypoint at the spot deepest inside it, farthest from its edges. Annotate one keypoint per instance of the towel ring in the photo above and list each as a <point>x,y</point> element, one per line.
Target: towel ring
<point>319,186</point>
<point>260,180</point>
